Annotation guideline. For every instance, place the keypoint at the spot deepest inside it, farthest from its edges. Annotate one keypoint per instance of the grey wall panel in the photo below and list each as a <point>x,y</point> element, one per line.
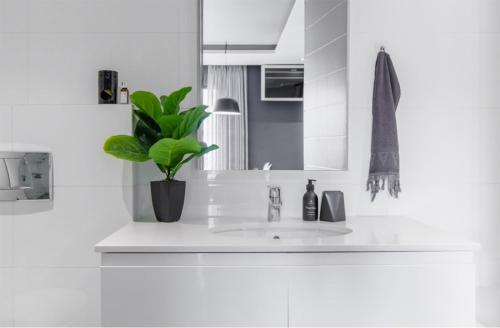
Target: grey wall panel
<point>275,129</point>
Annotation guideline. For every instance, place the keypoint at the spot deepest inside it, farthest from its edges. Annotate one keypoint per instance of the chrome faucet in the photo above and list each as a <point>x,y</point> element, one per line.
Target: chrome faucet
<point>274,208</point>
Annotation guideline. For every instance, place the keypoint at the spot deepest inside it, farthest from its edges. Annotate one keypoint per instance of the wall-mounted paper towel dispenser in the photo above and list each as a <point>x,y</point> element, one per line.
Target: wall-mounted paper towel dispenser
<point>25,175</point>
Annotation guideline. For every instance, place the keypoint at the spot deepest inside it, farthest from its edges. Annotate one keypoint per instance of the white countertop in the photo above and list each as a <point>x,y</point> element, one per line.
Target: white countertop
<point>369,234</point>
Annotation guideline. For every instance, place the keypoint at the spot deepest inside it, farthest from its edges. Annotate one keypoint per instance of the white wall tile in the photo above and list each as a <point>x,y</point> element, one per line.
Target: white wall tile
<point>65,235</point>
<point>6,221</point>
<point>423,17</point>
<point>487,145</point>
<point>13,16</point>
<point>57,297</point>
<point>63,67</point>
<point>328,28</point>
<point>315,9</point>
<point>5,125</point>
<point>6,297</point>
<point>363,50</point>
<point>323,153</point>
<point>326,90</point>
<point>447,206</point>
<point>488,13</point>
<point>52,16</point>
<point>110,16</point>
<point>76,135</point>
<point>189,66</point>
<point>188,21</point>
<point>488,299</point>
<point>455,62</point>
<point>438,145</point>
<point>6,234</point>
<point>325,121</point>
<point>328,59</point>
<point>489,70</point>
<point>488,226</point>
<point>359,142</point>
<point>13,68</point>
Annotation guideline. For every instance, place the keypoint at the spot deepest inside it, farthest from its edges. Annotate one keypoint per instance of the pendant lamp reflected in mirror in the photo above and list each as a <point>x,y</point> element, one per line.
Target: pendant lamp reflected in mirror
<point>226,106</point>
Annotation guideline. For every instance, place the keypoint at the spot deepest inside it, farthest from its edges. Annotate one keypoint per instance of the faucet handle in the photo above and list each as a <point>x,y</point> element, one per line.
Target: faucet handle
<point>275,194</point>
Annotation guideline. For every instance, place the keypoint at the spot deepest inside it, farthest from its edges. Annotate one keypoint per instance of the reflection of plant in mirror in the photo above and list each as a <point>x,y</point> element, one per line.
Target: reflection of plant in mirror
<point>162,132</point>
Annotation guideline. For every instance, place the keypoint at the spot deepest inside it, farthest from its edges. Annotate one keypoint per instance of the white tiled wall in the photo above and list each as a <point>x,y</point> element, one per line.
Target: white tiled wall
<point>48,269</point>
<point>325,63</point>
<point>50,52</point>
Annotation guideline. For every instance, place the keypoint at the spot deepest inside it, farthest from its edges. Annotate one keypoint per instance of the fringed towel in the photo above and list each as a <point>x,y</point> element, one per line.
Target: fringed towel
<point>384,161</point>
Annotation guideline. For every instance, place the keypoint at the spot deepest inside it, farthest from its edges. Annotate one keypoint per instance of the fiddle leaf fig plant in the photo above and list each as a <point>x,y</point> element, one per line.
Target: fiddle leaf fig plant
<point>163,132</point>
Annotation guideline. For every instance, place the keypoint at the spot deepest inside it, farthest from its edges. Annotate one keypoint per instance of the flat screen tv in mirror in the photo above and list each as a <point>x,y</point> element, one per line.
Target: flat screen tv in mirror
<point>275,78</point>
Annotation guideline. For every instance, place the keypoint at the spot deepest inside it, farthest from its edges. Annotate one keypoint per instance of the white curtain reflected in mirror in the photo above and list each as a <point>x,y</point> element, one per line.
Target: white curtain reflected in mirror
<point>229,132</point>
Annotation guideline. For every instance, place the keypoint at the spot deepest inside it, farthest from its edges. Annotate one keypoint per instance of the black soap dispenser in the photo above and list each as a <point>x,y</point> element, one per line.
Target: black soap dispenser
<point>310,203</point>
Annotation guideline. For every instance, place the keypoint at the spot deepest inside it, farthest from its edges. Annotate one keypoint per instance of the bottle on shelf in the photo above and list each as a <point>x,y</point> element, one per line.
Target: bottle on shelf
<point>124,93</point>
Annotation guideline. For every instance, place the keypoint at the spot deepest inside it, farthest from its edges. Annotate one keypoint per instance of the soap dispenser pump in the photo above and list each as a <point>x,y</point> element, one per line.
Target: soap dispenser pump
<point>310,203</point>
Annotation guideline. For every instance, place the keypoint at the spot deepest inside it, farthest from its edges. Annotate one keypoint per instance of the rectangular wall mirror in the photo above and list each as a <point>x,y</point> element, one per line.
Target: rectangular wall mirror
<point>274,75</point>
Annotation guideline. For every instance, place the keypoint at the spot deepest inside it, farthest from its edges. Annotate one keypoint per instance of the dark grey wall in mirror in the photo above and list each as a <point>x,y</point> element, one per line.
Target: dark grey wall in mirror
<point>284,63</point>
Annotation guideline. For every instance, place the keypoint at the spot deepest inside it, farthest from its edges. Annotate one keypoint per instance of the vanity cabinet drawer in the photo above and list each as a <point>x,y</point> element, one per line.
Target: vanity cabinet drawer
<point>193,296</point>
<point>382,295</point>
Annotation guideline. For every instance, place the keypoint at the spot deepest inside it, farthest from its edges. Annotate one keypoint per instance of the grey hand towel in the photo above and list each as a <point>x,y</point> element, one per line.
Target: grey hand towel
<point>384,161</point>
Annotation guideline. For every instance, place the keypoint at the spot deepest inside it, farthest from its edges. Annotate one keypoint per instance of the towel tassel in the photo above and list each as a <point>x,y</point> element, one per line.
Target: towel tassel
<point>373,185</point>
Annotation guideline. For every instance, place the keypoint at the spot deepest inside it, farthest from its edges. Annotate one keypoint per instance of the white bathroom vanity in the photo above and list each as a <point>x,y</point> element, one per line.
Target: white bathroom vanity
<point>367,271</point>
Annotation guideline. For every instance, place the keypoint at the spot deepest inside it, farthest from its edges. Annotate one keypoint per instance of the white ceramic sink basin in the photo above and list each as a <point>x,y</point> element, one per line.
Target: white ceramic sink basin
<point>280,230</point>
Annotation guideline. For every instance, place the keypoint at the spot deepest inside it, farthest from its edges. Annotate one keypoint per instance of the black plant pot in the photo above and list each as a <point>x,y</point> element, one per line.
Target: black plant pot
<point>168,199</point>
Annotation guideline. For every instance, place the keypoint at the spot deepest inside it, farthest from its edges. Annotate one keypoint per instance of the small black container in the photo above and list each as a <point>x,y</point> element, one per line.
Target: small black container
<point>332,206</point>
<point>168,199</point>
<point>310,203</point>
<point>107,90</point>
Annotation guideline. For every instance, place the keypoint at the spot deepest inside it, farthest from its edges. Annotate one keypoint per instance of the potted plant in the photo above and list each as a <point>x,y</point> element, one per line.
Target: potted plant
<point>163,133</point>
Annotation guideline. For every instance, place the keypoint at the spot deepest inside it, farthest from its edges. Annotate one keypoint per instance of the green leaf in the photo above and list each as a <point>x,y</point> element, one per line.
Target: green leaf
<point>147,102</point>
<point>161,168</point>
<point>187,111</point>
<point>204,150</point>
<point>190,122</point>
<point>147,120</point>
<point>146,135</point>
<point>126,147</point>
<point>202,118</point>
<point>168,124</point>
<point>172,103</point>
<point>208,149</point>
<point>170,152</point>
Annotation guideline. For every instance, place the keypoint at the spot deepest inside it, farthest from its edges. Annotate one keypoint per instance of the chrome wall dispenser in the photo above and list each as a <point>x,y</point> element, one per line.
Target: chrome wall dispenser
<point>25,176</point>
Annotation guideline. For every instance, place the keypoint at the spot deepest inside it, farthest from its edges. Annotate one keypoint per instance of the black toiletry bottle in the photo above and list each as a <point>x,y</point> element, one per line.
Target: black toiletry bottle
<point>310,203</point>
